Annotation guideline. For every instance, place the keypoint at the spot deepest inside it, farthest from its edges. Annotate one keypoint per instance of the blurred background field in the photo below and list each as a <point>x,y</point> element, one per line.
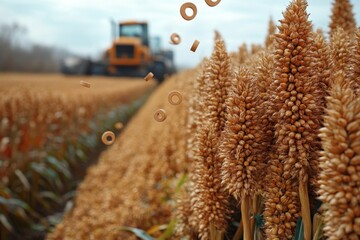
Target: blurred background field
<point>57,84</point>
<point>61,85</point>
<point>50,131</point>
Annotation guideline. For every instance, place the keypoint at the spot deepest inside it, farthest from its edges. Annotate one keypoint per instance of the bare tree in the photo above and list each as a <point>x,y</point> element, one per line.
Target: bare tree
<point>17,57</point>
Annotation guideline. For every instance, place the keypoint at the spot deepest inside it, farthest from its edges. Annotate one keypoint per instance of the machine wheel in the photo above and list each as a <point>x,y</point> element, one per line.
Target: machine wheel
<point>159,71</point>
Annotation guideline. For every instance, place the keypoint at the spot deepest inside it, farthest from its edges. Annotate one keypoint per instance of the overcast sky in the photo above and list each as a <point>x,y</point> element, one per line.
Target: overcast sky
<point>82,26</point>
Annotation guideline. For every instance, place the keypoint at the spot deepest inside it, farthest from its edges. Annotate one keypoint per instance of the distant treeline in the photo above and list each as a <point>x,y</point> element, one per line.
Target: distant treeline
<point>19,55</point>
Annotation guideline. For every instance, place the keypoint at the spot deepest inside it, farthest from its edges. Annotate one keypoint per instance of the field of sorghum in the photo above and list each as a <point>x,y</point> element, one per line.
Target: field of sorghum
<point>265,145</point>
<point>49,126</point>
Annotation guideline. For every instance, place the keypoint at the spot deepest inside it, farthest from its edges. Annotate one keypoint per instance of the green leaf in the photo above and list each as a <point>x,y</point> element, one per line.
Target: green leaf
<point>5,192</point>
<point>69,206</point>
<point>81,155</point>
<point>69,195</point>
<point>320,231</point>
<point>14,204</point>
<point>169,231</point>
<point>11,202</point>
<point>4,221</point>
<point>259,220</point>
<point>54,219</point>
<point>21,214</point>
<point>138,232</point>
<point>259,223</point>
<point>49,174</point>
<point>157,228</point>
<point>180,183</point>
<point>50,195</point>
<point>22,179</point>
<point>59,166</point>
<point>235,224</point>
<point>299,231</point>
<point>38,227</point>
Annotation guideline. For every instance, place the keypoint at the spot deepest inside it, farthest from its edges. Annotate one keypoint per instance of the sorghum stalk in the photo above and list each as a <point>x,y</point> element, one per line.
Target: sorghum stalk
<point>297,115</point>
<point>210,201</point>
<point>244,145</point>
<point>195,119</point>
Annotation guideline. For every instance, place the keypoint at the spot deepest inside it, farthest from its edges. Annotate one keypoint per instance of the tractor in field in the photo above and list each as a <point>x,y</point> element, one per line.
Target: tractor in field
<point>132,53</point>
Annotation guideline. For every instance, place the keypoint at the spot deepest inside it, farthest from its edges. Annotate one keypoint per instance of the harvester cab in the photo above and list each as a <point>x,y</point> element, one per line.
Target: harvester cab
<point>130,52</point>
<point>135,30</point>
<point>133,53</point>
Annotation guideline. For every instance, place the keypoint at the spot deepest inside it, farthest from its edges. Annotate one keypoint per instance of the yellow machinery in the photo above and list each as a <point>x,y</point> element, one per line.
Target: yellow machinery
<point>132,53</point>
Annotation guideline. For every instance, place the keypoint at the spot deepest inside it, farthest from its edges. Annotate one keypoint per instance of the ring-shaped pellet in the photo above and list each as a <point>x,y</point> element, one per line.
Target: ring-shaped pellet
<point>149,76</point>
<point>171,96</point>
<point>105,138</point>
<point>195,46</point>
<point>212,3</point>
<point>160,115</point>
<point>85,84</point>
<point>183,11</point>
<point>175,39</point>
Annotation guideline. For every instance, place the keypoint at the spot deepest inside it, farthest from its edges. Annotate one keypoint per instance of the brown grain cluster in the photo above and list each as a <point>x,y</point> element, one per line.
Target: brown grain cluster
<point>210,200</point>
<point>296,114</point>
<point>186,222</point>
<point>340,162</point>
<point>354,65</point>
<point>342,17</point>
<point>244,138</point>
<point>270,35</point>
<point>340,46</point>
<point>243,53</point>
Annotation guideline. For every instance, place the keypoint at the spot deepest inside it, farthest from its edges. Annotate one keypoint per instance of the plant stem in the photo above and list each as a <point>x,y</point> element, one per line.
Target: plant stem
<point>212,232</point>
<point>305,209</point>
<point>239,232</point>
<point>254,211</point>
<point>215,234</point>
<point>219,235</point>
<point>245,216</point>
